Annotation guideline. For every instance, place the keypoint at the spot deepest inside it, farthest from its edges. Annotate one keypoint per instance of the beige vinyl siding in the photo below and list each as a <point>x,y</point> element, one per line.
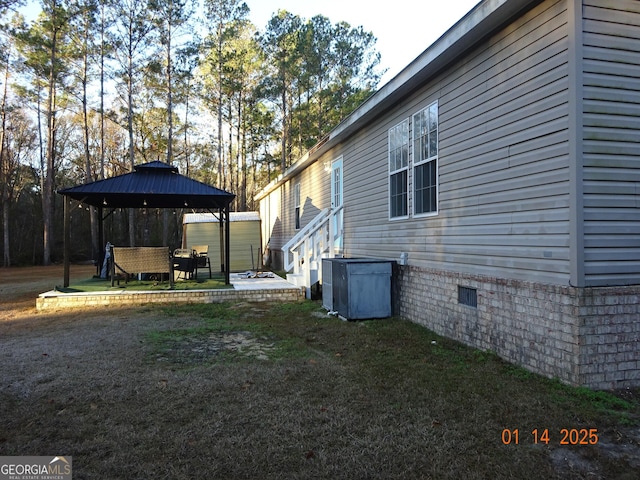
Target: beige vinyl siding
<point>503,162</point>
<point>366,179</point>
<point>271,221</point>
<point>612,142</point>
<point>279,207</point>
<point>315,189</point>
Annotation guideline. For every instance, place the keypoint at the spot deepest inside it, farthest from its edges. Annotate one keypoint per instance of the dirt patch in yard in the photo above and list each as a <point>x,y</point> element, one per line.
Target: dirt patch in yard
<point>282,391</point>
<point>204,348</point>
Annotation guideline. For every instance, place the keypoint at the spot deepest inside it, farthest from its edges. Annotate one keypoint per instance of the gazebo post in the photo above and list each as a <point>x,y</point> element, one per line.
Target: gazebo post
<point>222,242</point>
<point>227,248</point>
<point>67,238</point>
<point>101,241</point>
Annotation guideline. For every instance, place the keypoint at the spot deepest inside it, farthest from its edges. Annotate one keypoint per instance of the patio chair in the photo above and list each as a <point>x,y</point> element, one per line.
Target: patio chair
<point>184,262</point>
<point>202,258</point>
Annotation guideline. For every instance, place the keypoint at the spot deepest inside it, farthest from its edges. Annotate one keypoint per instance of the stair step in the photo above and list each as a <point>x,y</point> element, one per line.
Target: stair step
<point>298,279</point>
<point>293,276</point>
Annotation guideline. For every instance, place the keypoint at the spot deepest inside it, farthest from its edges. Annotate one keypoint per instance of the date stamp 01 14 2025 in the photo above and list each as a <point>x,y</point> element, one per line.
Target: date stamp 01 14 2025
<point>566,436</point>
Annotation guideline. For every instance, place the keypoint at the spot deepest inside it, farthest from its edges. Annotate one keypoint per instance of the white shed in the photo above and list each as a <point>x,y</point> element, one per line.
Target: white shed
<point>204,229</point>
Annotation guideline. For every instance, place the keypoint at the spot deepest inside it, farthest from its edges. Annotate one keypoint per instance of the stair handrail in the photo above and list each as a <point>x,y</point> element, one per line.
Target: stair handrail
<point>309,230</point>
<point>312,225</point>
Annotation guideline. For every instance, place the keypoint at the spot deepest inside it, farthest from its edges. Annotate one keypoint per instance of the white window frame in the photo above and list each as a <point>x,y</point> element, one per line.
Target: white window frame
<point>431,156</point>
<point>399,139</point>
<point>297,208</point>
<point>337,184</point>
<point>337,201</point>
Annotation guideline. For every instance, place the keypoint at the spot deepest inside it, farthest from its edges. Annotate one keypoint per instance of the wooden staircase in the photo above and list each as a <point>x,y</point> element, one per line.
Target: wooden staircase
<point>303,254</point>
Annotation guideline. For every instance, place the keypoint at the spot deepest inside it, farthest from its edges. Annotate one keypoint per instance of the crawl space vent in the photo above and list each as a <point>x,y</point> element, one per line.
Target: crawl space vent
<point>468,296</point>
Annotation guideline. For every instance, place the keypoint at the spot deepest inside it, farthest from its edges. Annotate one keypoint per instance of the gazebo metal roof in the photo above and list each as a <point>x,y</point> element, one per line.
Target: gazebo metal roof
<point>150,185</point>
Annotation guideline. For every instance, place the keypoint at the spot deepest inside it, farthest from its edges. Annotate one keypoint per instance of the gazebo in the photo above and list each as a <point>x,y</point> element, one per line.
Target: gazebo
<point>150,185</point>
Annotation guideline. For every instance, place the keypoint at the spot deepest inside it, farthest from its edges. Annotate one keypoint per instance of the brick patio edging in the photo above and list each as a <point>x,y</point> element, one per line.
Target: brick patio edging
<point>58,300</point>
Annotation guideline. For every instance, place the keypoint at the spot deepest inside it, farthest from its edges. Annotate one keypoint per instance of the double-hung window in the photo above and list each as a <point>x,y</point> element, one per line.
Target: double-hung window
<point>425,161</point>
<point>399,170</point>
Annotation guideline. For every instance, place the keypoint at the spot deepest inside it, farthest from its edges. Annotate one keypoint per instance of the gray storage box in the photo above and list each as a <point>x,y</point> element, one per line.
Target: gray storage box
<point>357,288</point>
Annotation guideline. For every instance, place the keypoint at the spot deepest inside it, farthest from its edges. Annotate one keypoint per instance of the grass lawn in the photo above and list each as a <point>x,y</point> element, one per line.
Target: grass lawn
<point>96,284</point>
<point>275,391</point>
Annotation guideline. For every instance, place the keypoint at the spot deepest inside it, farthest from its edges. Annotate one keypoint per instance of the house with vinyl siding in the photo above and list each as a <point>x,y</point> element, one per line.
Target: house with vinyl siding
<point>501,171</point>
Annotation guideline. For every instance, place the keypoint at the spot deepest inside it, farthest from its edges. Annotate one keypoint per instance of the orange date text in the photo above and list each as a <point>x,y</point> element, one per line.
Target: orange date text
<point>565,436</point>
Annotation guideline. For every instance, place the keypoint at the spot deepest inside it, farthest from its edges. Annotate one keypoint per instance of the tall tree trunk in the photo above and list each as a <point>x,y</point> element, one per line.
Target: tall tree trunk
<point>48,206</point>
<point>5,194</point>
<point>242,173</point>
<point>102,55</point>
<point>132,217</point>
<point>93,217</point>
<point>40,142</point>
<point>230,185</point>
<point>169,101</point>
<point>101,245</point>
<point>6,260</point>
<point>220,68</point>
<point>187,152</point>
<point>285,131</point>
<point>165,212</point>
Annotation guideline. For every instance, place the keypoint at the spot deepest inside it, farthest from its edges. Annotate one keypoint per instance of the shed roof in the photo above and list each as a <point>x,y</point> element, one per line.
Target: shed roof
<point>210,218</point>
<point>150,185</point>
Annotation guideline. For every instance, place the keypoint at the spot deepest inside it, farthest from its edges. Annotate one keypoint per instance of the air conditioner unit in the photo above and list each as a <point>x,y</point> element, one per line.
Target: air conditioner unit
<point>357,288</point>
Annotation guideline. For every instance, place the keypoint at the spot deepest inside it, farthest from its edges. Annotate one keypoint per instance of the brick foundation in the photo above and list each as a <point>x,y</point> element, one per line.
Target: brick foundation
<point>583,336</point>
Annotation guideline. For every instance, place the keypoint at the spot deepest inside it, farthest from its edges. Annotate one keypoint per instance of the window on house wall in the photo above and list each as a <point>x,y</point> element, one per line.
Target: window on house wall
<point>399,170</point>
<point>425,161</point>
<point>296,204</point>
